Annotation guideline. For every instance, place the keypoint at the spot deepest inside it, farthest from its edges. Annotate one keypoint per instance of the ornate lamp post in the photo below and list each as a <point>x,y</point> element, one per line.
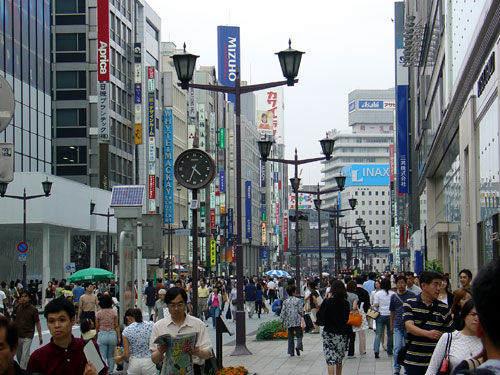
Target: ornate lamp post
<point>184,66</point>
<point>327,148</point>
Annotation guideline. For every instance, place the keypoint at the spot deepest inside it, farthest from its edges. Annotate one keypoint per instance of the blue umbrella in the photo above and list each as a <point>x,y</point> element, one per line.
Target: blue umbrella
<point>278,273</point>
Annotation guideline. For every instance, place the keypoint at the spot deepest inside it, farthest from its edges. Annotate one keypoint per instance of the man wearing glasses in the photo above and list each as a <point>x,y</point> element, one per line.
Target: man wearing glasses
<point>180,323</point>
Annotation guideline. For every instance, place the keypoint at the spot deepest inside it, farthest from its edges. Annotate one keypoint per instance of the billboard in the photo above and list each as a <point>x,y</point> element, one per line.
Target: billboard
<point>248,209</point>
<point>306,201</point>
<point>269,113</point>
<point>366,175</point>
<point>228,47</point>
<point>373,104</point>
<point>103,40</point>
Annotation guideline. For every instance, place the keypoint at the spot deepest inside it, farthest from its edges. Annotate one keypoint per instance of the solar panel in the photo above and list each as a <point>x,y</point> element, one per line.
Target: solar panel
<point>127,195</point>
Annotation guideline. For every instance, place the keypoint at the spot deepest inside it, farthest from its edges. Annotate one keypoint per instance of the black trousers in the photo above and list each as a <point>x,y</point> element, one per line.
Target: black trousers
<point>88,315</point>
<point>350,345</point>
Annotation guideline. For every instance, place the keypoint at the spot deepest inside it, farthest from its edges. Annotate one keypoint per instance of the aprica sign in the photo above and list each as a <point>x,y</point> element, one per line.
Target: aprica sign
<point>103,40</point>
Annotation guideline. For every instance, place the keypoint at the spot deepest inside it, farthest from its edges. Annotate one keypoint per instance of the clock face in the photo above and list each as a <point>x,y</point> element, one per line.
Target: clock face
<point>194,169</point>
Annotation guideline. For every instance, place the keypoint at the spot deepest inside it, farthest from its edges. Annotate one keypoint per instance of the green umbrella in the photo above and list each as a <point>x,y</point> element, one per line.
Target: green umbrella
<point>91,274</point>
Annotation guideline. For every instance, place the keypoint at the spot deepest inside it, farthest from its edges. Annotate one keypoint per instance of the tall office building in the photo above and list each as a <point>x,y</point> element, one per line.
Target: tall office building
<point>364,157</point>
<point>25,59</point>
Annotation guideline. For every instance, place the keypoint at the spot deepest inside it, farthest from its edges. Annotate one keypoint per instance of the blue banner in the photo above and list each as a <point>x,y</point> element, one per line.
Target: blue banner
<point>138,93</point>
<point>419,261</point>
<point>263,253</point>
<point>366,175</point>
<point>168,167</point>
<point>230,231</point>
<point>402,139</point>
<point>248,209</point>
<point>370,104</point>
<point>222,181</point>
<point>228,46</point>
<point>262,174</point>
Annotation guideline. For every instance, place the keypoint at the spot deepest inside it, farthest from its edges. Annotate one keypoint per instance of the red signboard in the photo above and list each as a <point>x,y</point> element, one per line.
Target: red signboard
<point>103,40</point>
<point>152,186</point>
<point>229,255</point>
<point>391,163</point>
<point>403,236</point>
<point>151,72</point>
<point>212,218</point>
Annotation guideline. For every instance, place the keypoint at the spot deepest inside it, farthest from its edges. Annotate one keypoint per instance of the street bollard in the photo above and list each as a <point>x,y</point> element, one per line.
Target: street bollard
<point>220,328</point>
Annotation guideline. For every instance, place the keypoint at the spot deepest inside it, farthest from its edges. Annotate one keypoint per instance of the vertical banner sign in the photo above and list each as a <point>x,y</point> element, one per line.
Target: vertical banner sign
<point>391,163</point>
<point>403,152</point>
<point>263,233</point>
<point>269,113</point>
<point>103,40</point>
<point>152,187</point>
<point>137,93</point>
<point>263,253</point>
<point>222,181</point>
<point>138,134</point>
<point>103,112</point>
<point>248,209</point>
<point>222,138</point>
<point>228,47</point>
<point>230,222</point>
<point>262,174</point>
<point>285,231</point>
<point>213,252</point>
<point>212,218</point>
<point>168,167</point>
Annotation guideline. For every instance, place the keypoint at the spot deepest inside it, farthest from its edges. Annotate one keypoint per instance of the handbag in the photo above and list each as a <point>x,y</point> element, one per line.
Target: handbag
<point>210,367</point>
<point>228,313</point>
<point>309,323</point>
<point>364,322</point>
<point>355,319</point>
<point>117,352</point>
<point>372,313</point>
<point>444,369</point>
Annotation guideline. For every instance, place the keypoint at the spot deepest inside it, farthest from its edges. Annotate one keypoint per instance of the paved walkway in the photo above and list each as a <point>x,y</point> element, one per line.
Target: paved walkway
<point>269,357</point>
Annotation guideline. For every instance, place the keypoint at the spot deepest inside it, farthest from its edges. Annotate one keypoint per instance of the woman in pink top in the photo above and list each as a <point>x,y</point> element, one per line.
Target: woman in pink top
<point>108,329</point>
<point>215,303</point>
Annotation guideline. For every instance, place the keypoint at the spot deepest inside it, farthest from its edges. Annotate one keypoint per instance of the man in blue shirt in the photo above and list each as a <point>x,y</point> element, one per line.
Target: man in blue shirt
<point>78,291</point>
<point>250,297</point>
<point>369,285</point>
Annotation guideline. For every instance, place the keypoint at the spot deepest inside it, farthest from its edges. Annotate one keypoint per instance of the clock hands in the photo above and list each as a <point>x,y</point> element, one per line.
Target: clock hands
<point>192,173</point>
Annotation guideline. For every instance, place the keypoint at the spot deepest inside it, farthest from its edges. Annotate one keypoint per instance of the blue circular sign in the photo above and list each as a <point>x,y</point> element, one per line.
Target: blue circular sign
<point>22,247</point>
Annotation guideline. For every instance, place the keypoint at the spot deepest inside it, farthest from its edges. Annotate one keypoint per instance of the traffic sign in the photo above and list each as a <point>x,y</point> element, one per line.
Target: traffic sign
<point>22,247</point>
<point>182,232</point>
<point>21,257</point>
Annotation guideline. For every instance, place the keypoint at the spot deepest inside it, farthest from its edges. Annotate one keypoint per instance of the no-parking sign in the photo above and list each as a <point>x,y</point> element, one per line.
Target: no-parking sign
<point>22,247</point>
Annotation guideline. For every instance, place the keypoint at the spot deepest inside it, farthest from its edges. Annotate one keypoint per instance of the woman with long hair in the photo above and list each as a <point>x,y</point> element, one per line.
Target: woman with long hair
<point>108,329</point>
<point>136,344</point>
<point>49,293</point>
<point>445,294</point>
<point>461,296</point>
<point>215,303</point>
<point>333,315</point>
<point>462,344</point>
<point>381,301</point>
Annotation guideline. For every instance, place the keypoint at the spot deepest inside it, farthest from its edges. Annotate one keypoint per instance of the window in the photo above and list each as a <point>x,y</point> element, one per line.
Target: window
<point>383,193</point>
<point>376,203</point>
<point>362,203</point>
<point>383,212</point>
<point>383,222</point>
<point>376,193</point>
<point>376,222</point>
<point>376,231</point>
<point>362,212</point>
<point>377,242</point>
<point>70,42</point>
<point>70,6</point>
<point>376,212</point>
<point>369,212</point>
<point>356,193</point>
<point>382,203</point>
<point>71,154</point>
<point>369,203</point>
<point>70,80</point>
<point>362,193</point>
<point>370,193</point>
<point>150,29</point>
<point>383,232</point>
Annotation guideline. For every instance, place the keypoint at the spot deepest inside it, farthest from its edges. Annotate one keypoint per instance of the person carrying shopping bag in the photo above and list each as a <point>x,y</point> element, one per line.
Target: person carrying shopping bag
<point>291,314</point>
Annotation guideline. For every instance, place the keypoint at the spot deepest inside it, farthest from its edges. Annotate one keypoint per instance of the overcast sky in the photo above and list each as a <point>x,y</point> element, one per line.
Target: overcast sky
<point>349,45</point>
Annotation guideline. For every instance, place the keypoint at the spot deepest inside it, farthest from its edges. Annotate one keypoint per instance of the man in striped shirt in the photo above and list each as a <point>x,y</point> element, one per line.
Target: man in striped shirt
<point>425,318</point>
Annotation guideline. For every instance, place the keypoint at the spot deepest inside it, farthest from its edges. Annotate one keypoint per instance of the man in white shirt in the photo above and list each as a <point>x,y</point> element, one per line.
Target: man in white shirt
<point>271,291</point>
<point>179,323</point>
<point>4,304</point>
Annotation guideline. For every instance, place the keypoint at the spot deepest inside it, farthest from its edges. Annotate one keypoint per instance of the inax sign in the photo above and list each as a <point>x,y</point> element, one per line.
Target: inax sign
<point>103,40</point>
<point>366,175</point>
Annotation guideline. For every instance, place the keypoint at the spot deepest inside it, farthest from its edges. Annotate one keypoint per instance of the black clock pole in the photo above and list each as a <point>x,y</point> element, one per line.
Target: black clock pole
<point>194,274</point>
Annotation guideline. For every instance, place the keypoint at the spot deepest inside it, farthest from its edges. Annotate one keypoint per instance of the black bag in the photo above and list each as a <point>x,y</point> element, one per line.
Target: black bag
<point>228,313</point>
<point>309,323</point>
<point>210,367</point>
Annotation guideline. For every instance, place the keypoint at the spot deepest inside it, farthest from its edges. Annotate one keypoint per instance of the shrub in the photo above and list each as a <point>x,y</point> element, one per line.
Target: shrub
<point>267,330</point>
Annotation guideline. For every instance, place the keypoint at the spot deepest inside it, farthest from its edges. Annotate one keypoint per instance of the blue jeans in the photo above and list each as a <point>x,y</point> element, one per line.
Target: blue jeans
<point>399,342</point>
<point>214,313</point>
<point>107,342</point>
<point>383,320</point>
<point>294,331</point>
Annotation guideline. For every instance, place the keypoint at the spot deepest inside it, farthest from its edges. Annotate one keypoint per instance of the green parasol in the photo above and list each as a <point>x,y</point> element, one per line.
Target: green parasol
<point>91,274</point>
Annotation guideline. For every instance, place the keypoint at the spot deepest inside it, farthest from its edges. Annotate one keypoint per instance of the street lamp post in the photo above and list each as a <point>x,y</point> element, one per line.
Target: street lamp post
<point>327,148</point>
<point>109,253</point>
<point>334,222</point>
<point>47,186</point>
<point>184,65</point>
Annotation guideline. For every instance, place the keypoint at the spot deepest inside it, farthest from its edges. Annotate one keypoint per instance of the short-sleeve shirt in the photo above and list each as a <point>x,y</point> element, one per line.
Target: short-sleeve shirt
<point>383,299</point>
<point>26,316</point>
<point>250,293</point>
<point>138,335</point>
<point>2,297</point>
<point>190,325</point>
<point>88,302</point>
<point>396,306</point>
<point>420,350</point>
<point>106,319</point>
<point>160,309</point>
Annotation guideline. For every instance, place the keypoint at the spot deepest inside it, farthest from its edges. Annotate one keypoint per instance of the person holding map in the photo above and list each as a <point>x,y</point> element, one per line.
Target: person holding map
<point>180,341</point>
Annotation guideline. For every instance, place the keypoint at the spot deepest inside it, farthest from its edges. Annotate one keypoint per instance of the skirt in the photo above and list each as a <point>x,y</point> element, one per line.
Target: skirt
<point>334,346</point>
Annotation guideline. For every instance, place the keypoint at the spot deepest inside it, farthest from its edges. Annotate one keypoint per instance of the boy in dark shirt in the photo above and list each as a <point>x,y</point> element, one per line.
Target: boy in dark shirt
<point>64,354</point>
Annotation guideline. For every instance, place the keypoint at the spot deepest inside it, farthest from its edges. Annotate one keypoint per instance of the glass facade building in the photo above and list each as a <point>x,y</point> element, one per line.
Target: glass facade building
<point>25,63</point>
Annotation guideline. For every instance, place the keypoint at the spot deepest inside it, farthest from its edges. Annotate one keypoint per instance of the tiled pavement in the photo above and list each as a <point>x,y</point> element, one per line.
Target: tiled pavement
<point>269,357</point>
